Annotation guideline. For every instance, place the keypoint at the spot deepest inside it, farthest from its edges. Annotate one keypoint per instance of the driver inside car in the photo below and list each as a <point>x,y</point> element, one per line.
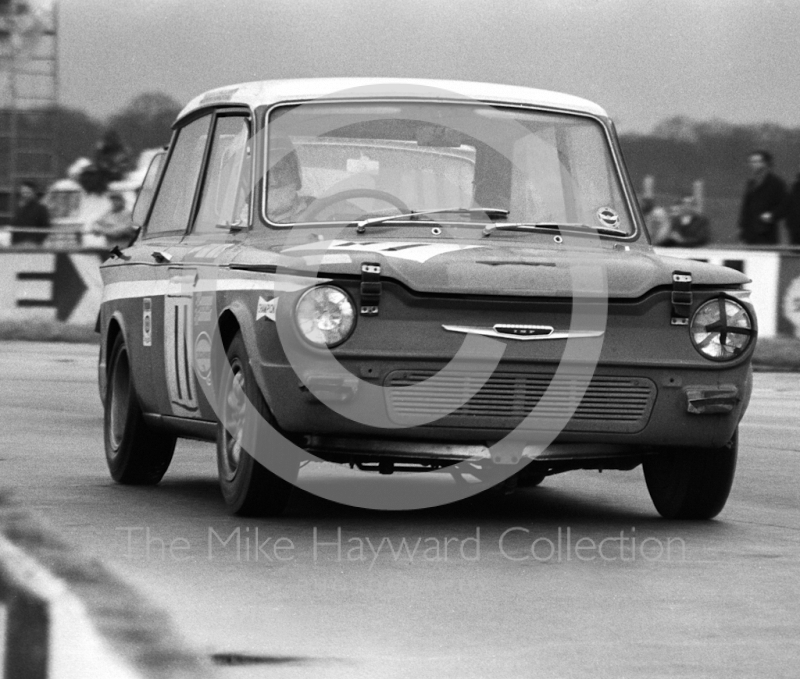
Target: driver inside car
<point>286,203</point>
<point>284,200</point>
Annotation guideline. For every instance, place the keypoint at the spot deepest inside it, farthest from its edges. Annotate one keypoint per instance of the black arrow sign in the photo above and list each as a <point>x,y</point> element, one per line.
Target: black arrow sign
<point>68,287</point>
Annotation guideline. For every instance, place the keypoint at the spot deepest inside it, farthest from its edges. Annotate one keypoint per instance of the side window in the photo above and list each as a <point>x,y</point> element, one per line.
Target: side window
<point>225,198</point>
<point>148,189</point>
<point>174,200</point>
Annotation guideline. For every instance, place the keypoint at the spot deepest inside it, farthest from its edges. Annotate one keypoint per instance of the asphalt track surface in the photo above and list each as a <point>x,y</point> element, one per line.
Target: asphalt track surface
<point>609,590</point>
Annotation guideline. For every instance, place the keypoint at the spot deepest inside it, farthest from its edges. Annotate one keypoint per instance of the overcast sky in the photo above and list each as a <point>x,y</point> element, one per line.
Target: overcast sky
<point>642,60</point>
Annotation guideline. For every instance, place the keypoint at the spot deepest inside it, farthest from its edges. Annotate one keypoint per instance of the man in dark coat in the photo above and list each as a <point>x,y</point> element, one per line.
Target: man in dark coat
<point>30,213</point>
<point>791,212</point>
<point>763,202</point>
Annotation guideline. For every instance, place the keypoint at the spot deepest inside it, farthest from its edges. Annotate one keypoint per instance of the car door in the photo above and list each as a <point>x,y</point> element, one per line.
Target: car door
<point>170,307</point>
<point>222,219</point>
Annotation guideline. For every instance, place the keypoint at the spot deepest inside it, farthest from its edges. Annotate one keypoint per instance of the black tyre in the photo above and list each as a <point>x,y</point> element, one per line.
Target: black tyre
<point>249,488</point>
<point>136,453</point>
<point>530,477</point>
<point>691,484</point>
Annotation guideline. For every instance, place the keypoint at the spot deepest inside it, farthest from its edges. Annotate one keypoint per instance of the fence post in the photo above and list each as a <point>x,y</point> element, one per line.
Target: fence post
<point>698,191</point>
<point>649,186</point>
<point>27,636</point>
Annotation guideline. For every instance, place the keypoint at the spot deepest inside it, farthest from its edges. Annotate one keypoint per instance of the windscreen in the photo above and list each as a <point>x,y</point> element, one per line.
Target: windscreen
<point>341,162</point>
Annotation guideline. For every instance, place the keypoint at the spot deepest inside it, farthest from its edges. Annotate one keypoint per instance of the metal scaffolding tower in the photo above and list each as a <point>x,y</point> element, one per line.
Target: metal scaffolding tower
<point>28,96</point>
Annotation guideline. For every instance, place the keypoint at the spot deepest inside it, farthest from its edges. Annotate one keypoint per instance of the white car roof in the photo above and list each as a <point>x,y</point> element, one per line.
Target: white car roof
<point>268,92</point>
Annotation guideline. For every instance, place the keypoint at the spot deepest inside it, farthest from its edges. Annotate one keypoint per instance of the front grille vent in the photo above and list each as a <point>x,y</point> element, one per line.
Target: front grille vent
<point>609,404</point>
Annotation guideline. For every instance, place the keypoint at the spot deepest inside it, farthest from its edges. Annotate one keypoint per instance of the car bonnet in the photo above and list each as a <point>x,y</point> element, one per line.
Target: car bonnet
<point>471,268</point>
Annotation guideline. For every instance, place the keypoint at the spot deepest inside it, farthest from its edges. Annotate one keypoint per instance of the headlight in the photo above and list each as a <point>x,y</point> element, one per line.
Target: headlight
<point>721,329</point>
<point>325,316</point>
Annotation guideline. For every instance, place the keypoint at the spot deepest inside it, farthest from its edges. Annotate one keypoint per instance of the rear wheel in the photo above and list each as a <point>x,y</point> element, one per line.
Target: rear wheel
<point>136,453</point>
<point>693,483</point>
<point>249,488</point>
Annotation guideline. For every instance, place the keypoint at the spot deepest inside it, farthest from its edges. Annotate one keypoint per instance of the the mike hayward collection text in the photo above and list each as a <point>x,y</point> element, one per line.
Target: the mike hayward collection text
<point>516,544</point>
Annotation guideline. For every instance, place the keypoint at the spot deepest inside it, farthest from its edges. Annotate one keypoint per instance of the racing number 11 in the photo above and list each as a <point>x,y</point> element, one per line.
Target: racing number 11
<point>178,354</point>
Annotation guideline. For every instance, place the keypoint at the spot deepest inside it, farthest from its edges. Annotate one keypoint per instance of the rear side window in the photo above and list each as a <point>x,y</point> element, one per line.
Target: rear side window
<point>173,204</point>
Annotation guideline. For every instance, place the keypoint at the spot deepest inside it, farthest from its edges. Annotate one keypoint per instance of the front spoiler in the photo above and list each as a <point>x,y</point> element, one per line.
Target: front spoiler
<point>448,453</point>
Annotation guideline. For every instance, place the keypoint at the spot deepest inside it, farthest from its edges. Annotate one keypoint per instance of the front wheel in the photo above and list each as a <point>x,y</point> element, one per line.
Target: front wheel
<point>693,483</point>
<point>531,476</point>
<point>245,421</point>
<point>136,453</point>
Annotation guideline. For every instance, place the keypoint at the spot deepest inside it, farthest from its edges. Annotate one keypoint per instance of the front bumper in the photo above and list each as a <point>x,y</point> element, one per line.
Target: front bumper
<point>627,408</point>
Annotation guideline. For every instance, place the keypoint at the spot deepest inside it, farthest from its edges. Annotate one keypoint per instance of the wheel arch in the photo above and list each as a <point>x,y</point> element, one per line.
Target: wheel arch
<point>114,329</point>
<point>228,325</point>
<point>238,317</point>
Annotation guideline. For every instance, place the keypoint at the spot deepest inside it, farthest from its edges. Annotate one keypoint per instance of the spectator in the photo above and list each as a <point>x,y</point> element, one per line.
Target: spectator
<point>116,224</point>
<point>687,227</point>
<point>655,219</point>
<point>791,212</point>
<point>30,213</point>
<point>763,201</point>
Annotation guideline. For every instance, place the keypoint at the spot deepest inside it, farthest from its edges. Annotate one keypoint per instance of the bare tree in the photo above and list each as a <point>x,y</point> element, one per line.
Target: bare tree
<point>146,121</point>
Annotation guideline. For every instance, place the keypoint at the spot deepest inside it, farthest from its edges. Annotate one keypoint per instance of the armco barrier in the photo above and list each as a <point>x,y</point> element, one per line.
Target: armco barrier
<point>66,616</point>
<point>48,634</point>
<point>64,286</point>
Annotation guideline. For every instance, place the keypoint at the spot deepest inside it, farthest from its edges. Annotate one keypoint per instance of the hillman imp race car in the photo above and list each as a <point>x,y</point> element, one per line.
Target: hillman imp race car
<point>417,275</point>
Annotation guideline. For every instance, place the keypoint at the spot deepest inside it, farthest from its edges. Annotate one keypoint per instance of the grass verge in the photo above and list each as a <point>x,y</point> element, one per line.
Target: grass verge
<point>48,331</point>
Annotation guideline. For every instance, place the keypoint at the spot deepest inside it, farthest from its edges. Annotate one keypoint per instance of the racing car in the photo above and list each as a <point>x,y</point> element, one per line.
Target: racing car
<point>414,275</point>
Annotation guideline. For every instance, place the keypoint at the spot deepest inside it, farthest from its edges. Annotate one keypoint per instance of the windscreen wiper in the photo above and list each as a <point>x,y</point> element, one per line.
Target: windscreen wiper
<point>558,226</point>
<point>361,226</point>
